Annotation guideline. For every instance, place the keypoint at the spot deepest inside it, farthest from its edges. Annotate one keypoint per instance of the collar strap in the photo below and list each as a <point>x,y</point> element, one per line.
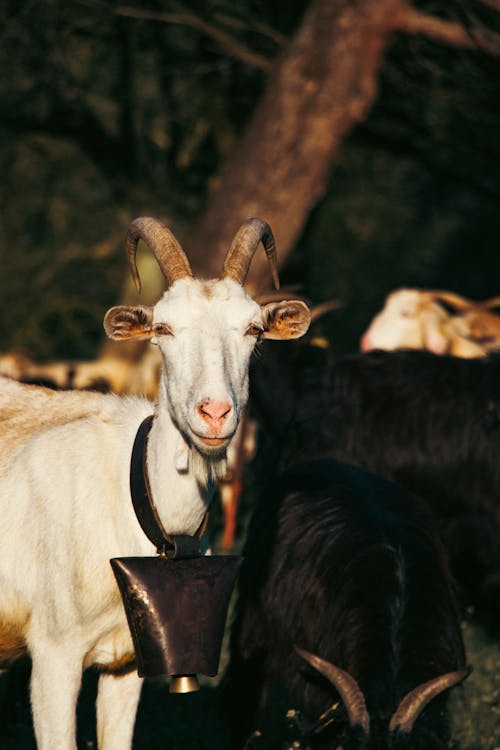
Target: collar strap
<point>169,545</point>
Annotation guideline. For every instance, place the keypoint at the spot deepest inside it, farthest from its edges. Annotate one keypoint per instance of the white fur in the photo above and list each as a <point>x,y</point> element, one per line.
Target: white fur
<point>414,319</point>
<point>66,507</point>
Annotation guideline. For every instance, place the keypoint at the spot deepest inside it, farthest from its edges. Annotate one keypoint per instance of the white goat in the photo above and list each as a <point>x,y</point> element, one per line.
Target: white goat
<point>64,478</point>
<point>134,372</point>
<point>442,322</point>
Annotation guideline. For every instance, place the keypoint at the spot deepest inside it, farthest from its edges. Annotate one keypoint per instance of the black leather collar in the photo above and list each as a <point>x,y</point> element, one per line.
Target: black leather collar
<point>169,545</point>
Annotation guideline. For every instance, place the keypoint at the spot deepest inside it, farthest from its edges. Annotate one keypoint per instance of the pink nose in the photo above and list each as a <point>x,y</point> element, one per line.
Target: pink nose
<point>365,344</point>
<point>214,412</point>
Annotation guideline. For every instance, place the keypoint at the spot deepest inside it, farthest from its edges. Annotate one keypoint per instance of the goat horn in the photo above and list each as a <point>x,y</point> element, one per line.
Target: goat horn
<point>287,292</point>
<point>171,257</point>
<point>323,308</point>
<point>491,302</point>
<point>243,247</point>
<point>456,300</point>
<point>414,702</point>
<point>347,688</point>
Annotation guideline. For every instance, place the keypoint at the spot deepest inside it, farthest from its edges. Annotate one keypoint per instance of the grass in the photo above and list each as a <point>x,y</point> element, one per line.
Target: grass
<point>475,707</point>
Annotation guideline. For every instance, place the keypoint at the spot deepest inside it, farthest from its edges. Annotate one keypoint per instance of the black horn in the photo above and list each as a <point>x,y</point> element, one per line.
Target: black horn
<point>171,257</point>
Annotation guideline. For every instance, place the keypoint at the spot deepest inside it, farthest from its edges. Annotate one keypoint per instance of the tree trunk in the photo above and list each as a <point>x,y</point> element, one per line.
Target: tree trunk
<point>321,88</point>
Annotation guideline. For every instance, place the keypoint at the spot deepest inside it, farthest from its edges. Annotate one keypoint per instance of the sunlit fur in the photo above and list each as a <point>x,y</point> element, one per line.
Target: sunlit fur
<point>415,319</point>
<point>66,507</point>
<point>207,355</point>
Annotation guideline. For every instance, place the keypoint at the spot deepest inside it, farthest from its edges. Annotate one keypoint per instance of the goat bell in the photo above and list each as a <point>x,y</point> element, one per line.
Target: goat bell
<point>176,611</point>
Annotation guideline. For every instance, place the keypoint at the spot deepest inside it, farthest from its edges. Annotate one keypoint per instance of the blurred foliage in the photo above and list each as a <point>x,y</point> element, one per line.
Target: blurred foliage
<point>104,116</point>
<point>110,111</point>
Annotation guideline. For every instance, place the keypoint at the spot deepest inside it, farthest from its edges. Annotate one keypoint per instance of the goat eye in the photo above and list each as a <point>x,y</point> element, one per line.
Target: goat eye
<point>162,329</point>
<point>253,330</point>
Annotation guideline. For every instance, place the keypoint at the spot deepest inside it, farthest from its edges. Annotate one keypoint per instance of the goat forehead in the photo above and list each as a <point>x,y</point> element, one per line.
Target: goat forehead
<point>403,298</point>
<point>193,301</point>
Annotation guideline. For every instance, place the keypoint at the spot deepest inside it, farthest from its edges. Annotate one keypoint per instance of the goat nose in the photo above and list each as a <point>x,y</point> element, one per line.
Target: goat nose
<point>214,411</point>
<point>365,343</point>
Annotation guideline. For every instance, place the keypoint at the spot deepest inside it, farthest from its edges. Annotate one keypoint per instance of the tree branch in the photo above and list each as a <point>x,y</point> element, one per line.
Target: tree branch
<point>409,20</point>
<point>323,85</point>
<point>185,17</point>
<point>493,4</point>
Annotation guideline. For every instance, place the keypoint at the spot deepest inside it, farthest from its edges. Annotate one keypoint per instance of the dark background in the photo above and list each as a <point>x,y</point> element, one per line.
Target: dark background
<point>105,115</point>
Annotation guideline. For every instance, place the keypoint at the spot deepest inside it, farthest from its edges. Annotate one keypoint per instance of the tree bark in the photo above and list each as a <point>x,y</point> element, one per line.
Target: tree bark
<point>324,84</point>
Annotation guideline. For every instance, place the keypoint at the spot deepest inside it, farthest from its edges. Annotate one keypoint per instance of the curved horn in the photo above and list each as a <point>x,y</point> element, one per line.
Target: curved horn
<point>490,303</point>
<point>346,686</point>
<point>171,257</point>
<point>451,298</point>
<point>414,702</point>
<point>293,292</point>
<point>243,247</point>
<point>323,308</point>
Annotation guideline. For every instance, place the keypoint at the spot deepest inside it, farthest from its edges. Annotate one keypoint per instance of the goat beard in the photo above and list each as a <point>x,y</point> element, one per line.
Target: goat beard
<point>208,467</point>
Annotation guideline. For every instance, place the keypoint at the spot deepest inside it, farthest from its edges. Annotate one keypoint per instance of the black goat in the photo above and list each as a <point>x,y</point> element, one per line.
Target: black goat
<point>345,565</point>
<point>429,423</point>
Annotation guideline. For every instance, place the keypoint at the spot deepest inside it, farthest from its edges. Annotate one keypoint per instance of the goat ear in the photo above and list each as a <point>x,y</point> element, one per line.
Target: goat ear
<point>123,322</point>
<point>288,319</point>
